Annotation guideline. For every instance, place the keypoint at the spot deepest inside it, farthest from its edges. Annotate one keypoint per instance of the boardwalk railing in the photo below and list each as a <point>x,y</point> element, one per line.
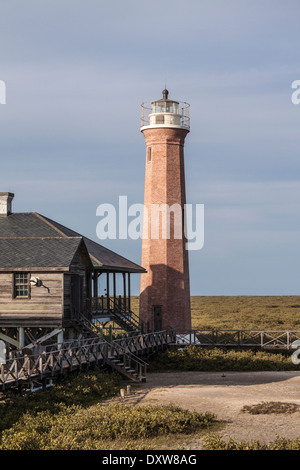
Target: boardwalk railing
<point>55,361</point>
<point>147,343</point>
<point>263,339</point>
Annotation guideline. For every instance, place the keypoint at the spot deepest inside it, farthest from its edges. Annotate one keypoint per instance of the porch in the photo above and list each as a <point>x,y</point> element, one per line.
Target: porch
<point>109,300</point>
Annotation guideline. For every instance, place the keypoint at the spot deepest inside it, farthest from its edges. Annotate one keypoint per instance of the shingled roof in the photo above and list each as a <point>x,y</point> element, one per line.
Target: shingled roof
<point>30,239</point>
<point>38,252</point>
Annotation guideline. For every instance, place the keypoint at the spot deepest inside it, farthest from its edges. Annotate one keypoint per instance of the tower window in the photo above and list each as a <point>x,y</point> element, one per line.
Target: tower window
<point>21,285</point>
<point>149,154</point>
<point>160,119</point>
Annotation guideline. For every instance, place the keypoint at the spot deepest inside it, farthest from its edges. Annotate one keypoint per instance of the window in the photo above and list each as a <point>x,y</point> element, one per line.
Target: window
<point>160,119</point>
<point>149,155</point>
<point>21,285</point>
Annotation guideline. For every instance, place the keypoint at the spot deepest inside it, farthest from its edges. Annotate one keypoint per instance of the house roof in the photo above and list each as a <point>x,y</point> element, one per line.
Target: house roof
<point>31,238</point>
<point>38,252</point>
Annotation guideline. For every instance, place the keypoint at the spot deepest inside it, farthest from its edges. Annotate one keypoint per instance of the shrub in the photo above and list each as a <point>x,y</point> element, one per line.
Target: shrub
<point>83,390</point>
<point>76,428</point>
<point>217,443</point>
<point>201,359</point>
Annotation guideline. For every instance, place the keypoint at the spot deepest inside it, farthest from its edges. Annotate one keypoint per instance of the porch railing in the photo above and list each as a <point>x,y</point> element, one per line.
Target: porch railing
<point>118,307</point>
<point>104,304</point>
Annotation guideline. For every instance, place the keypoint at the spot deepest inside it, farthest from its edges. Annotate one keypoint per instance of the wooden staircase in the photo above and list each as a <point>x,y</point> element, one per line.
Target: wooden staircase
<point>84,326</point>
<point>125,318</point>
<point>117,358</point>
<point>127,363</point>
<point>116,309</point>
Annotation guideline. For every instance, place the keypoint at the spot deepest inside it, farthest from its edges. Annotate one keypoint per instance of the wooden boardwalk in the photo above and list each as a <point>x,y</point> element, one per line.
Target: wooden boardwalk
<point>252,339</point>
<point>128,355</point>
<point>124,355</point>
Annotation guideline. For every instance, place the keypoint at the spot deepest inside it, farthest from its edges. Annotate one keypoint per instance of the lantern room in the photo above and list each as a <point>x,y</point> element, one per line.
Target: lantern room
<point>165,113</point>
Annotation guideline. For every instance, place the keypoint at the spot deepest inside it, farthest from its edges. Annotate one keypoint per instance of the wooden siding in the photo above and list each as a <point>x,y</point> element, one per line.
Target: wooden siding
<point>44,307</point>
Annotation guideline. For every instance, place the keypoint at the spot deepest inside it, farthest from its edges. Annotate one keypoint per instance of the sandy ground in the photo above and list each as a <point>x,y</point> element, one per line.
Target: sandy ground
<point>225,394</point>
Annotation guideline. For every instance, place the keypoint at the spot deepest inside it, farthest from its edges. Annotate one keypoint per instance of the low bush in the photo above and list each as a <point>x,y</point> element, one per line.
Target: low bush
<point>195,358</point>
<point>217,443</point>
<point>83,390</point>
<point>85,429</point>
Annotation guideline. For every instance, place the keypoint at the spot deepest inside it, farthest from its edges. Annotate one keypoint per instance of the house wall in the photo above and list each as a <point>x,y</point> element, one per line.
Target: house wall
<point>71,297</point>
<point>43,308</point>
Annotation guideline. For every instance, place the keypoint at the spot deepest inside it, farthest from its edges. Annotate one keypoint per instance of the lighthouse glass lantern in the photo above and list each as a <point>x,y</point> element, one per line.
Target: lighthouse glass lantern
<point>165,113</point>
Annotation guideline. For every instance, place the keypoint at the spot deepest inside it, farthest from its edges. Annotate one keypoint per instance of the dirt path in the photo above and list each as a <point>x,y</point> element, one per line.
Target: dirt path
<point>225,395</point>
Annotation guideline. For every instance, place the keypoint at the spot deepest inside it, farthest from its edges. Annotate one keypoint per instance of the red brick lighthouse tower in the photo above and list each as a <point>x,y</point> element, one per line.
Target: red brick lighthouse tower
<point>165,289</point>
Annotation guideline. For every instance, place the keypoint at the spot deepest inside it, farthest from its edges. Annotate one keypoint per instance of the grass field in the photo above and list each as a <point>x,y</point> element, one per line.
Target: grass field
<point>243,312</point>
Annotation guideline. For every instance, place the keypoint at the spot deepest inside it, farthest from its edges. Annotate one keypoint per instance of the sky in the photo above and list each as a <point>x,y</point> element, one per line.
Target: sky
<point>76,73</point>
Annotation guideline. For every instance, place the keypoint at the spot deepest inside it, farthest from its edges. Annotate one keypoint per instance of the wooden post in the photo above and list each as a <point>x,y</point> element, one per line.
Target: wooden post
<point>107,289</point>
<point>21,338</point>
<point>129,294</point>
<point>95,279</point>
<point>2,352</point>
<point>114,284</point>
<point>2,373</point>
<point>124,290</point>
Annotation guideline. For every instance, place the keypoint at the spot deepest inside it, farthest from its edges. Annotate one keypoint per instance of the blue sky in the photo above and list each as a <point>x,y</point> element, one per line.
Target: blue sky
<point>76,73</point>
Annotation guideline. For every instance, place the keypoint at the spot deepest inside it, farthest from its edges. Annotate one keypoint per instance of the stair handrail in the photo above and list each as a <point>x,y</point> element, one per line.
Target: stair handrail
<point>122,350</point>
<point>89,324</point>
<point>123,311</point>
<point>112,344</point>
<point>135,362</point>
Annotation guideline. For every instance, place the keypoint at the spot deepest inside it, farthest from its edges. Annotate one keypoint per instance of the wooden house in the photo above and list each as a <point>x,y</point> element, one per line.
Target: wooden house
<point>50,280</point>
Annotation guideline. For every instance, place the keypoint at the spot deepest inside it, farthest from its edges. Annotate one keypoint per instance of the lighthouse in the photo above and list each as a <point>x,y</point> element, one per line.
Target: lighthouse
<point>165,288</point>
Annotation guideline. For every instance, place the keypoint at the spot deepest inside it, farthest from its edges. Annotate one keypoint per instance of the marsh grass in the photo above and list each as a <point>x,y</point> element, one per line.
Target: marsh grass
<point>246,312</point>
<point>242,312</point>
